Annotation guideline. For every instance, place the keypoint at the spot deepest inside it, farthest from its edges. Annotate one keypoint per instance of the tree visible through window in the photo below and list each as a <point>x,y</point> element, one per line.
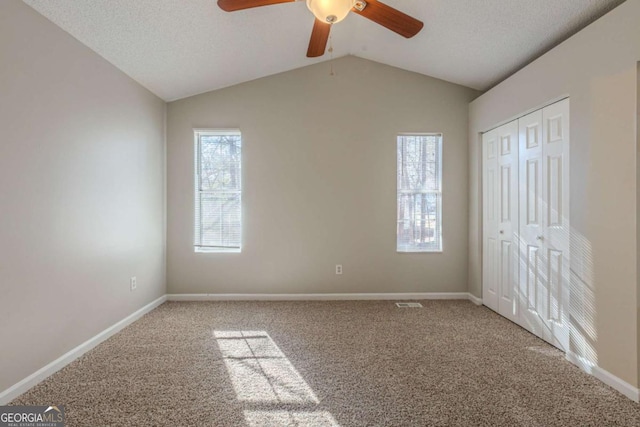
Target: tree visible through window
<point>218,219</point>
<point>419,226</point>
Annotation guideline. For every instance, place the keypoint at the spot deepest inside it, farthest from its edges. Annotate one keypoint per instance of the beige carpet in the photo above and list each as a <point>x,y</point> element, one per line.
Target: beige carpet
<point>328,364</point>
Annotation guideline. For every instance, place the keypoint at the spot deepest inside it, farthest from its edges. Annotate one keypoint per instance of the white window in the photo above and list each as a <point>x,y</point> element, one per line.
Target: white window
<point>419,227</point>
<point>218,214</point>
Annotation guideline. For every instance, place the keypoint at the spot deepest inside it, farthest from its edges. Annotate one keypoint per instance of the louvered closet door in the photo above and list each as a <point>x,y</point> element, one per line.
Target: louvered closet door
<point>544,223</point>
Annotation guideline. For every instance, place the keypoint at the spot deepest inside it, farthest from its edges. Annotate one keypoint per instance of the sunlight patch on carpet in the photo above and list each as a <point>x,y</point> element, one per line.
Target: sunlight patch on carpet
<point>259,371</point>
<point>261,374</point>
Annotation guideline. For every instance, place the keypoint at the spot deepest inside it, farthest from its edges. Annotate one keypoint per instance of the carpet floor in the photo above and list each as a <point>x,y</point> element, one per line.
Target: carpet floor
<point>346,363</point>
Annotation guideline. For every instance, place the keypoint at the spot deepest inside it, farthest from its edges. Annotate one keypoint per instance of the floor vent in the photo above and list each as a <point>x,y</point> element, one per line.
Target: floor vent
<point>409,304</point>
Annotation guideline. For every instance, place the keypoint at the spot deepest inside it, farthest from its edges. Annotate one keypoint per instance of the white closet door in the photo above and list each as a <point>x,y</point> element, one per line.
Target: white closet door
<point>555,193</point>
<point>490,219</point>
<point>500,223</point>
<point>507,139</point>
<point>533,287</point>
<point>544,223</point>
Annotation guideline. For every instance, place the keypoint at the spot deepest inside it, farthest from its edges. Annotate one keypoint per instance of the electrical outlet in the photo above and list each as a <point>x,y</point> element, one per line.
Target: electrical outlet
<point>134,283</point>
<point>338,268</point>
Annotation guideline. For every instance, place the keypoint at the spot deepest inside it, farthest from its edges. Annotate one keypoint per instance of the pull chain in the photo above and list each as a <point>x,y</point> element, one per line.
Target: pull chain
<point>331,73</point>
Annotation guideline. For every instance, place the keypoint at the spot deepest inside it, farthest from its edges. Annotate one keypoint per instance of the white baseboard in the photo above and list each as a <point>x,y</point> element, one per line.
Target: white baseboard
<point>614,382</point>
<point>580,362</point>
<point>19,388</point>
<point>474,299</point>
<point>606,377</point>
<point>321,297</point>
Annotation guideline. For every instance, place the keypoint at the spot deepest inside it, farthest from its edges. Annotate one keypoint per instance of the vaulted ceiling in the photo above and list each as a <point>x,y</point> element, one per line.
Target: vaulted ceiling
<point>178,48</point>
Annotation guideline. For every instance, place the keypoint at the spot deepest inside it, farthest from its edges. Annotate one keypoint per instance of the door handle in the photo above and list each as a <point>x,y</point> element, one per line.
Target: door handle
<point>501,231</point>
<point>539,238</point>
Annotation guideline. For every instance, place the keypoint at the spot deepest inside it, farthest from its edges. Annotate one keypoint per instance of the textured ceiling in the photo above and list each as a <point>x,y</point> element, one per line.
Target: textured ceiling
<point>178,48</point>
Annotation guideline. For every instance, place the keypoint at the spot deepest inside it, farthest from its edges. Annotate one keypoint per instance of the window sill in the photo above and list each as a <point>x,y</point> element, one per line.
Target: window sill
<point>217,250</point>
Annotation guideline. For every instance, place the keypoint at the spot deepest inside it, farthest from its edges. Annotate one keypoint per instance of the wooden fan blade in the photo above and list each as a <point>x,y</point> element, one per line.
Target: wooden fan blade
<point>233,5</point>
<point>319,37</point>
<point>390,18</point>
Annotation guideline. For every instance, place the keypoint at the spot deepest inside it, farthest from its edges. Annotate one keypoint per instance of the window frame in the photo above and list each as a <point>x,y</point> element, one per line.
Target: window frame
<point>198,248</point>
<point>438,193</point>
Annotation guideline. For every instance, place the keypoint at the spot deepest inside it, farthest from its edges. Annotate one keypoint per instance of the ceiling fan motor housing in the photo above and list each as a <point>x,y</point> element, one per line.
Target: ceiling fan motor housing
<point>331,11</point>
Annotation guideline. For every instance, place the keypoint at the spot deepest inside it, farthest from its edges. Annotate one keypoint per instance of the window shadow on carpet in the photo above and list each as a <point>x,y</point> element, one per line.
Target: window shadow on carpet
<point>266,382</point>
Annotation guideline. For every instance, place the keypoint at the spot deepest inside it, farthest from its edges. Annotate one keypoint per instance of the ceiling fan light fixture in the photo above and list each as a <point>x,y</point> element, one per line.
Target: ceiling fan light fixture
<point>330,11</point>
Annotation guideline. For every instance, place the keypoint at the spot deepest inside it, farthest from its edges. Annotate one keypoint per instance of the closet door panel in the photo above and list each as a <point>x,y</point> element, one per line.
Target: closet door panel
<point>507,137</point>
<point>533,286</point>
<point>490,220</point>
<point>556,217</point>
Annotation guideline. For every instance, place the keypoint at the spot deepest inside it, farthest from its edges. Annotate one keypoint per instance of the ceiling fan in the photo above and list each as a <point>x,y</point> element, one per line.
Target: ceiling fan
<point>328,12</point>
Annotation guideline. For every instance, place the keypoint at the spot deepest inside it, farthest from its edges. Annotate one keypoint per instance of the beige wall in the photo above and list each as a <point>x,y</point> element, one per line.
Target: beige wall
<point>319,164</point>
<point>597,68</point>
<point>81,193</point>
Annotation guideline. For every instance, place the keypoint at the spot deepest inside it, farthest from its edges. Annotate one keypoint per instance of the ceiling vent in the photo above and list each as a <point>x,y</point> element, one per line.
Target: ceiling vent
<point>409,305</point>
